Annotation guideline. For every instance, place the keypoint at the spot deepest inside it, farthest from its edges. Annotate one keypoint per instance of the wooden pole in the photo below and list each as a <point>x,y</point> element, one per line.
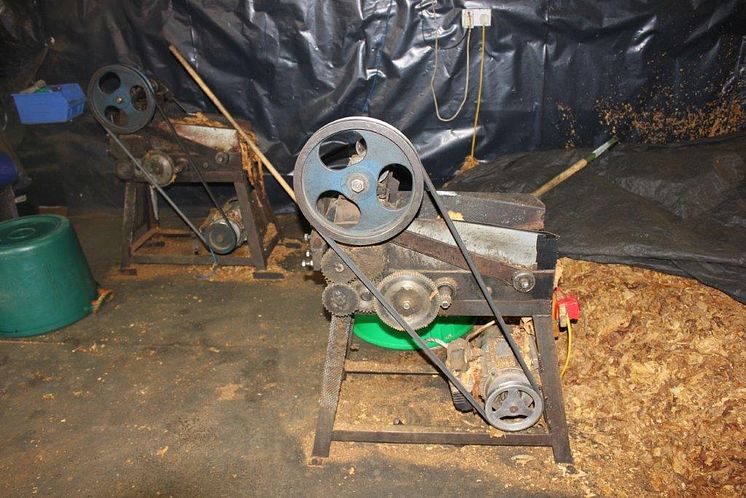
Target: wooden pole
<point>574,168</point>
<point>254,147</point>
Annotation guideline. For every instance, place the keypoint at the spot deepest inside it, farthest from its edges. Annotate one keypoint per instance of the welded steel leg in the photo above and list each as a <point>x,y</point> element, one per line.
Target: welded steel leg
<point>253,233</point>
<point>552,387</point>
<point>331,383</point>
<point>129,213</point>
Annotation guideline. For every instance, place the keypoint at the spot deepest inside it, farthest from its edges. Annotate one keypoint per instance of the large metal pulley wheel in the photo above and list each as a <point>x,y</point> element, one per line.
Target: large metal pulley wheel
<point>121,98</point>
<point>359,181</point>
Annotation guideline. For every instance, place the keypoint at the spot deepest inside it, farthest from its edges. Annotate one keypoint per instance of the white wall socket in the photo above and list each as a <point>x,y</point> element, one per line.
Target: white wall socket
<point>472,18</point>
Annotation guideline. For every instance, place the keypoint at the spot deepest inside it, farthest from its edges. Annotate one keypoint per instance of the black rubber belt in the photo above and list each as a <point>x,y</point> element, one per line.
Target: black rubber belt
<point>480,282</point>
<point>154,183</point>
<point>195,168</point>
<point>403,323</point>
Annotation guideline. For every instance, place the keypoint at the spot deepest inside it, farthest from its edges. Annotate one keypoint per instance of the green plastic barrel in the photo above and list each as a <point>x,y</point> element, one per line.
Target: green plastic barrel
<point>45,282</point>
<point>371,329</point>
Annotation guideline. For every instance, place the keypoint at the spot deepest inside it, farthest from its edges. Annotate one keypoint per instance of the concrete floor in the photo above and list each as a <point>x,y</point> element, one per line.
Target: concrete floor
<point>185,387</point>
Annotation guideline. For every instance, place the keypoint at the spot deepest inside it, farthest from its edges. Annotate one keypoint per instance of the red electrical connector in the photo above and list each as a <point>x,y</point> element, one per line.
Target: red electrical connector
<point>565,306</point>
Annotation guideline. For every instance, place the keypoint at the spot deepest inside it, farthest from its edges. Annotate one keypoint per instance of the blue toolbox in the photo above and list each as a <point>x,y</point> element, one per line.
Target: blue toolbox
<point>50,104</point>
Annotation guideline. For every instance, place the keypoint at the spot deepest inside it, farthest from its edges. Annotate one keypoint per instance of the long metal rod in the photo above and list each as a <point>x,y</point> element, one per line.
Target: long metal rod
<point>403,323</point>
<point>480,281</point>
<point>160,190</point>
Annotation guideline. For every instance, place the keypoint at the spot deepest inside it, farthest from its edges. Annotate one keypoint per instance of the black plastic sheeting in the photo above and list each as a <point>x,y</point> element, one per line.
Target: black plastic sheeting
<point>554,72</point>
<point>679,208</point>
<point>291,66</point>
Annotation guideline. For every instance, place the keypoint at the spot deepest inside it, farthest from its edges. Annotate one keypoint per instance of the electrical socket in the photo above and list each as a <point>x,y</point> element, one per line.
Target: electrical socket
<point>473,18</point>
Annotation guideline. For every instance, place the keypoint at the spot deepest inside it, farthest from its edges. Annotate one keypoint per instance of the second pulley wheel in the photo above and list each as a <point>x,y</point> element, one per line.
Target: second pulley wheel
<point>121,98</point>
<point>359,181</point>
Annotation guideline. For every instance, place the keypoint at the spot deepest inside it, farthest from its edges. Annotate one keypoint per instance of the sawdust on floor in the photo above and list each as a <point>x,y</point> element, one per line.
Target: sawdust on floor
<point>279,262</point>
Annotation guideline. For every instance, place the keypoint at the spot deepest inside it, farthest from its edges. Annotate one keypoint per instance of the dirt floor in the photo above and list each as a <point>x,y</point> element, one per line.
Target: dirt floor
<point>197,383</point>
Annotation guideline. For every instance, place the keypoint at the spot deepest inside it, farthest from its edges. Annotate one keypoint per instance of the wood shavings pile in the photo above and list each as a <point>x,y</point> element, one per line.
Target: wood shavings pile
<point>656,388</point>
<point>661,124</point>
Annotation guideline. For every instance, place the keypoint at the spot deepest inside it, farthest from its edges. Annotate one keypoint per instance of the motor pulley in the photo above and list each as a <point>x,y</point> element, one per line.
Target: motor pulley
<point>487,367</point>
<point>225,233</point>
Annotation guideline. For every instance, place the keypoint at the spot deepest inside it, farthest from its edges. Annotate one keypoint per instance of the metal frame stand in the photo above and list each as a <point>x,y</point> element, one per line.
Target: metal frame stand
<point>337,365</point>
<point>256,214</point>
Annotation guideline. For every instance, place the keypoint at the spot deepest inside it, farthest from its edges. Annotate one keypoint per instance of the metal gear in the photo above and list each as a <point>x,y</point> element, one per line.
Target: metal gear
<point>334,269</point>
<point>340,299</point>
<point>367,301</point>
<point>413,295</point>
<point>365,191</point>
<point>122,98</point>
<point>370,259</point>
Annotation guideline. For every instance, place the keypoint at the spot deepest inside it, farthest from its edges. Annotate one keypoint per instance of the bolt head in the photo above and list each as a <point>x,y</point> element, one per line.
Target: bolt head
<point>357,185</point>
<point>119,100</point>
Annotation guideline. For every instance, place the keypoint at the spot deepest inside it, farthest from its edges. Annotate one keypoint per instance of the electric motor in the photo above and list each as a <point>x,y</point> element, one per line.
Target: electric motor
<point>224,236</point>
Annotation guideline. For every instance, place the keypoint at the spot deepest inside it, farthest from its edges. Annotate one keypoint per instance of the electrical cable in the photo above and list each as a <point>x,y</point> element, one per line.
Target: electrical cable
<point>479,93</point>
<point>569,348</point>
<point>439,342</point>
<point>435,37</point>
<point>474,333</point>
<point>466,84</point>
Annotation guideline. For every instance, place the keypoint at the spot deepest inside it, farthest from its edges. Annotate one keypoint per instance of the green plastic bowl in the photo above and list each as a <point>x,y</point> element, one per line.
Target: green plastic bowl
<point>45,282</point>
<point>371,329</point>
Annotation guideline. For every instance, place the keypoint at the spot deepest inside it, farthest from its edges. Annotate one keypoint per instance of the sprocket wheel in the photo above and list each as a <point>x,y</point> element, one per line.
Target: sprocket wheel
<point>340,299</point>
<point>370,259</point>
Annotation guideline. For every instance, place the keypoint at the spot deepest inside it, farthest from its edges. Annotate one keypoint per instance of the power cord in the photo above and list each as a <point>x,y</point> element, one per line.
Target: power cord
<point>435,72</point>
<point>479,94</point>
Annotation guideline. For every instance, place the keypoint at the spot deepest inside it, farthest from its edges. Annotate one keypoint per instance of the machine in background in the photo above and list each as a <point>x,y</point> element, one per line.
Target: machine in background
<point>386,248</point>
<point>175,148</point>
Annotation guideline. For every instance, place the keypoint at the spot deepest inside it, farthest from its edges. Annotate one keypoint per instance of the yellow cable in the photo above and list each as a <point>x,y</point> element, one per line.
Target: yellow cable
<point>479,93</point>
<point>569,348</point>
